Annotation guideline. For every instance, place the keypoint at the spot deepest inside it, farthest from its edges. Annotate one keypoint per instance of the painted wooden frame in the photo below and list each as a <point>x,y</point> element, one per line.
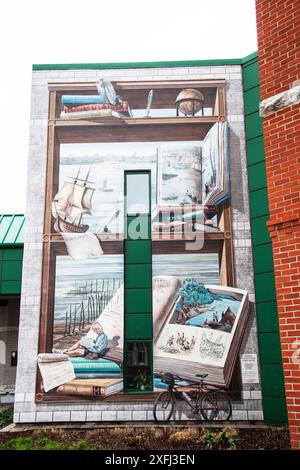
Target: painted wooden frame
<point>123,130</point>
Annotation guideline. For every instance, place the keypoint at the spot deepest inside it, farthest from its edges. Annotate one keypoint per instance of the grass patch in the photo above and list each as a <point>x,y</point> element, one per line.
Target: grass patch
<point>6,416</point>
<point>42,443</point>
<point>150,438</point>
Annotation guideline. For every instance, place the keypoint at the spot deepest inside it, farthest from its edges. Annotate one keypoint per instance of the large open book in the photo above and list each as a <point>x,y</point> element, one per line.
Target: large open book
<point>199,338</point>
<point>194,173</point>
<point>196,329</point>
<point>165,289</point>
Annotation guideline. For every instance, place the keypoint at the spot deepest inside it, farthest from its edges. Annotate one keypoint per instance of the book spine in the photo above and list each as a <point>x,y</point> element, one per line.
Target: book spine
<point>81,99</point>
<point>82,360</point>
<point>97,371</point>
<point>91,390</point>
<point>88,114</point>
<point>98,375</point>
<point>96,368</point>
<point>123,107</point>
<point>159,384</point>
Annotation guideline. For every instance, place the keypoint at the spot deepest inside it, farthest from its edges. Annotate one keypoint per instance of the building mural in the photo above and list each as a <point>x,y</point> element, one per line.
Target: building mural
<point>121,306</point>
<point>197,326</point>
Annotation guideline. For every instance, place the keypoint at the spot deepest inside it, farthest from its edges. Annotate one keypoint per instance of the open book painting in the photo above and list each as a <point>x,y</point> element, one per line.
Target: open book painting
<point>195,173</point>
<point>202,332</point>
<point>197,328</point>
<point>198,325</point>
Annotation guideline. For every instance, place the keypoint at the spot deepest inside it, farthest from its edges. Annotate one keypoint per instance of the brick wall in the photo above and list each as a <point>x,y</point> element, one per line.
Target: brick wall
<point>278,24</point>
<point>278,31</point>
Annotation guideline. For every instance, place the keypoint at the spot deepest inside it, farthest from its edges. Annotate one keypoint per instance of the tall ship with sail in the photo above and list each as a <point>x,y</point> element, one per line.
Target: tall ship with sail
<point>71,203</point>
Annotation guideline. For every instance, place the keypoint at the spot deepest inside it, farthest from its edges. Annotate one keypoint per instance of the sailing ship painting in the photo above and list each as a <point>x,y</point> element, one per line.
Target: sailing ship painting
<point>71,203</point>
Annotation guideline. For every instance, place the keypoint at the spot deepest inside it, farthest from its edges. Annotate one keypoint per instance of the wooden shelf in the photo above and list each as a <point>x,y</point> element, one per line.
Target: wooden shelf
<point>109,121</point>
<point>105,121</point>
<point>161,243</point>
<point>172,120</point>
<point>115,398</point>
<point>132,130</point>
<point>89,87</point>
<point>165,92</point>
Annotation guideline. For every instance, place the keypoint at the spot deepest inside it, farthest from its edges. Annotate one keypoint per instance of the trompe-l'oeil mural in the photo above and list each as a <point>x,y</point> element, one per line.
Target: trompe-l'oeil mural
<point>198,324</point>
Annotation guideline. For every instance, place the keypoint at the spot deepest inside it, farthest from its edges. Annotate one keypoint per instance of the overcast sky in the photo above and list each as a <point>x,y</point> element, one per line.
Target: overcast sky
<point>64,31</point>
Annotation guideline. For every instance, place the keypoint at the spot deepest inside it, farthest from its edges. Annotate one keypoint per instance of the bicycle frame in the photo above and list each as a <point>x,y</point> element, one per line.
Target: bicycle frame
<point>204,403</point>
<point>199,390</point>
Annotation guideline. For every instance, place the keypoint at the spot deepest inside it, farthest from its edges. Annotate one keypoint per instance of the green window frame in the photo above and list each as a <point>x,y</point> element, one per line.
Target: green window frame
<point>138,319</point>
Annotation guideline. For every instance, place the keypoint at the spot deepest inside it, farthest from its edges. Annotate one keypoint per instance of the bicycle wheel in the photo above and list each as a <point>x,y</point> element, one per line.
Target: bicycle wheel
<point>215,405</point>
<point>163,406</point>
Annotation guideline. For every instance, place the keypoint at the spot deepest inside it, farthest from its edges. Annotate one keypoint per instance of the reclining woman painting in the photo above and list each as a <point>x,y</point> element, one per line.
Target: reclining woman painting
<point>92,346</point>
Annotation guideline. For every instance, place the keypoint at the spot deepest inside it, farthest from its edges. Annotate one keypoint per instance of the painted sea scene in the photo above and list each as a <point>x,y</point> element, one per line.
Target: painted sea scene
<point>180,174</point>
<point>83,288</point>
<point>91,181</point>
<point>103,165</point>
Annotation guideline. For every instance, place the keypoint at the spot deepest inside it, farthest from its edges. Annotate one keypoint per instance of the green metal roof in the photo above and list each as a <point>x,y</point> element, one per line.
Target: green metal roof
<point>11,229</point>
<point>141,65</point>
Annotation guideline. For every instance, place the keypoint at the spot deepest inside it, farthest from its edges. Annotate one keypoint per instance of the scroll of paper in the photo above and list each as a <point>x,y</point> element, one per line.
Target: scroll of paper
<point>55,370</point>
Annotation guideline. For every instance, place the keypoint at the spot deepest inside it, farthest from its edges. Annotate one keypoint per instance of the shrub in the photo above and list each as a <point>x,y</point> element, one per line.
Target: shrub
<point>6,417</point>
<point>209,439</point>
<point>225,438</point>
<point>186,435</point>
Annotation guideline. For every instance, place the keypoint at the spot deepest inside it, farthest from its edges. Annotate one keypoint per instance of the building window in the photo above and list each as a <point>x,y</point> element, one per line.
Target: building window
<point>2,352</point>
<point>138,375</point>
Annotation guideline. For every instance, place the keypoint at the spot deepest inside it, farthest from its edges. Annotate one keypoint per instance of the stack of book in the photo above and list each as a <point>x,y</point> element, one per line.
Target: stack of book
<point>100,388</point>
<point>91,107</point>
<point>95,369</point>
<point>98,377</point>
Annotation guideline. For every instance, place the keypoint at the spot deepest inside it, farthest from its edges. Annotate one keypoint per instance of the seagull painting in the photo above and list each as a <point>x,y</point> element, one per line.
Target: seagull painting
<point>107,92</point>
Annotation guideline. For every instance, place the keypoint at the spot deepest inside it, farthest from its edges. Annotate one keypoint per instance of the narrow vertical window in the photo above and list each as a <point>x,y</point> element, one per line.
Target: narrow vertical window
<point>138,329</point>
<point>2,352</point>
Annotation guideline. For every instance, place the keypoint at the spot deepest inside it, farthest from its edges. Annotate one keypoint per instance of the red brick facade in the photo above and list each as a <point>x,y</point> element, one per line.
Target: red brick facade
<point>278,27</point>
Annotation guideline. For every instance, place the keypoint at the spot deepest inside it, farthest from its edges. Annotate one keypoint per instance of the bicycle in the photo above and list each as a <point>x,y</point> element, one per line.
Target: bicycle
<point>211,403</point>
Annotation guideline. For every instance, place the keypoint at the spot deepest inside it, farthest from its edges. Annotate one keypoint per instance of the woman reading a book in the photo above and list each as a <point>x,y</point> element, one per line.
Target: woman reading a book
<point>93,346</point>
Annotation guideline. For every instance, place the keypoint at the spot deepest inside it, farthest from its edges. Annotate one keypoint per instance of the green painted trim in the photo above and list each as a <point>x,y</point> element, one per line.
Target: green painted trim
<point>249,58</point>
<point>12,245</point>
<point>274,403</point>
<point>275,410</point>
<point>138,318</point>
<point>137,65</point>
<point>11,226</point>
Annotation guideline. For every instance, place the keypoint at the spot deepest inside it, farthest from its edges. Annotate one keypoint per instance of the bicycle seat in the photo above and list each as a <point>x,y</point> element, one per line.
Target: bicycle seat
<point>202,376</point>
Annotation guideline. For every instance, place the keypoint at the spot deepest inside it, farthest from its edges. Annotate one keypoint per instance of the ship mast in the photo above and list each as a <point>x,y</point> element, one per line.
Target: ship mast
<point>75,182</point>
<point>84,184</point>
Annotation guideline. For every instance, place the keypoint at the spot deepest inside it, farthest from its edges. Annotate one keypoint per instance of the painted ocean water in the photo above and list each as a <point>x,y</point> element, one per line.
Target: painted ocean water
<point>104,164</point>
<point>74,279</point>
